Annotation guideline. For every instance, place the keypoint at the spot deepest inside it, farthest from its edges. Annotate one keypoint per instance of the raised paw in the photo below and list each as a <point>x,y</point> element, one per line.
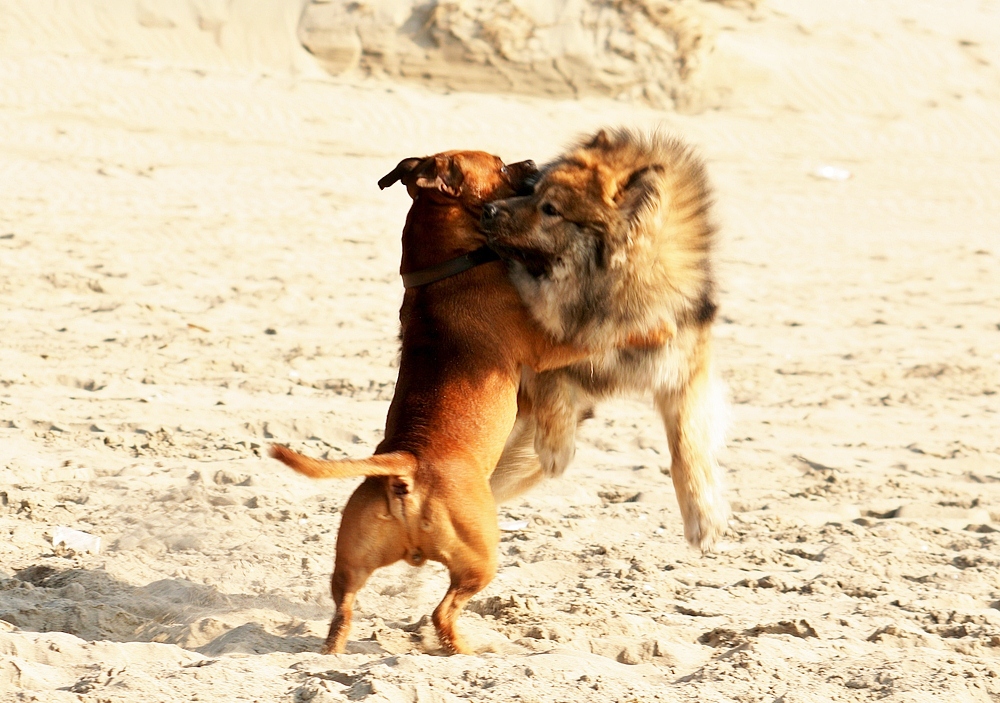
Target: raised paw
<point>555,452</point>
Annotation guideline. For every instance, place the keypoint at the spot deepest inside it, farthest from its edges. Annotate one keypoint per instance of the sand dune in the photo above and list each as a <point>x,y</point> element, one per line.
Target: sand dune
<point>197,261</point>
<point>237,34</point>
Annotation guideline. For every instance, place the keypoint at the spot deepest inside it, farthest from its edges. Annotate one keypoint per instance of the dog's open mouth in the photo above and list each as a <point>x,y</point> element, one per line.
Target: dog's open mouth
<point>534,262</point>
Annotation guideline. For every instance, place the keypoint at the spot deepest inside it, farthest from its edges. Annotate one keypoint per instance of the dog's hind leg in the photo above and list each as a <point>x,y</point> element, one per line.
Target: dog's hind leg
<point>463,587</point>
<point>472,563</point>
<point>344,586</point>
<point>693,415</point>
<point>369,538</point>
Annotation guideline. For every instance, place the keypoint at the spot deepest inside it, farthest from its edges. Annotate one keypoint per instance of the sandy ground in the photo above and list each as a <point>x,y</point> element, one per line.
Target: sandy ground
<point>195,260</point>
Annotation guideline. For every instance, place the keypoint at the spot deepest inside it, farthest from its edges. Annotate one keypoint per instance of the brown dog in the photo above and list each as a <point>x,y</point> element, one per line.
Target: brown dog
<point>464,340</point>
<point>616,239</point>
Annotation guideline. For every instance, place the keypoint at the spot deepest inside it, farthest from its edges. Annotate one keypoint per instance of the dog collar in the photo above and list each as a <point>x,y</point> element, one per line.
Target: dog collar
<point>448,268</point>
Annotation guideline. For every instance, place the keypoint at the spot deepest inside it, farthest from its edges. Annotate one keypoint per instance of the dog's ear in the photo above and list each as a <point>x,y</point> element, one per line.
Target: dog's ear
<point>440,173</point>
<point>403,169</point>
<point>601,140</point>
<point>638,190</point>
<point>436,172</point>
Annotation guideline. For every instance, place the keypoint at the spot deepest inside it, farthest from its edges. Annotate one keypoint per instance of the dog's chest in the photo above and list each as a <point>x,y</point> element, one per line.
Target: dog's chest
<point>545,298</point>
<point>634,371</point>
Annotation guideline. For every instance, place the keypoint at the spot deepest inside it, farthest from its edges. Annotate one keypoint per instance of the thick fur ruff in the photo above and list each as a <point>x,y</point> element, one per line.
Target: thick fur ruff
<point>635,255</point>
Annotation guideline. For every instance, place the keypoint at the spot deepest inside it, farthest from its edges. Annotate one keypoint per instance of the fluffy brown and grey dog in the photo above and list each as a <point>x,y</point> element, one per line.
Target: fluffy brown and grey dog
<point>616,239</point>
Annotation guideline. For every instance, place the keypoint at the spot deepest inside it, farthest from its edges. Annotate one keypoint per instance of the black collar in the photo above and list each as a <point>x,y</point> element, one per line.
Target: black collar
<point>448,268</point>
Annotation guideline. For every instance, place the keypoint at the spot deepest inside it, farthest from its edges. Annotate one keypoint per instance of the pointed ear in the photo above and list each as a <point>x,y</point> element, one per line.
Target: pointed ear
<point>442,174</point>
<point>638,190</point>
<point>599,141</point>
<point>403,169</point>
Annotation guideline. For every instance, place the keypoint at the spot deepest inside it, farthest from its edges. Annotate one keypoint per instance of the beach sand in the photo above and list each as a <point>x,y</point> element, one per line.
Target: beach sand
<point>195,261</point>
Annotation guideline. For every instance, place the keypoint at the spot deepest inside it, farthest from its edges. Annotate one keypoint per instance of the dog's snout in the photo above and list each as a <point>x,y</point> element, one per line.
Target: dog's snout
<point>490,211</point>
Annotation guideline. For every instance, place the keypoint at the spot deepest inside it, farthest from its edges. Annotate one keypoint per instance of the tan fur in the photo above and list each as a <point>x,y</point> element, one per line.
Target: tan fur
<point>616,240</point>
<point>427,494</point>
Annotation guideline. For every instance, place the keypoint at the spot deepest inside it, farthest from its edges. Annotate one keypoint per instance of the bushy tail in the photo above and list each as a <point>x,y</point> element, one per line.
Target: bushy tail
<point>389,464</point>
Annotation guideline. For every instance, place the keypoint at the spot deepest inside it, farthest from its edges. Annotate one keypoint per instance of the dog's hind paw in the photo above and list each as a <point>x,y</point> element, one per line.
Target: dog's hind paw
<point>705,524</point>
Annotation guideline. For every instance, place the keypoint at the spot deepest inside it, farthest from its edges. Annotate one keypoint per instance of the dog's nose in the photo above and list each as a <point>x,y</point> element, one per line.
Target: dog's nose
<point>490,211</point>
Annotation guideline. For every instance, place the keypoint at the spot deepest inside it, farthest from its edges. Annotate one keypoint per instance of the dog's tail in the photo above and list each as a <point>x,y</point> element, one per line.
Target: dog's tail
<point>388,464</point>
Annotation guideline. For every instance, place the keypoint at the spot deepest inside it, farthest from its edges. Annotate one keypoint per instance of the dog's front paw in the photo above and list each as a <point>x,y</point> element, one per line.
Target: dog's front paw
<point>554,463</point>
<point>555,453</point>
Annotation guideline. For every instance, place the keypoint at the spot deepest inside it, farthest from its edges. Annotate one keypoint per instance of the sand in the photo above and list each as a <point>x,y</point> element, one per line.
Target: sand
<point>196,261</point>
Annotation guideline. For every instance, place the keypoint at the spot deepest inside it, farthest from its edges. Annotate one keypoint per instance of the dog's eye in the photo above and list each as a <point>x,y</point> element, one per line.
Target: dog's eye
<point>550,210</point>
<point>503,170</point>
